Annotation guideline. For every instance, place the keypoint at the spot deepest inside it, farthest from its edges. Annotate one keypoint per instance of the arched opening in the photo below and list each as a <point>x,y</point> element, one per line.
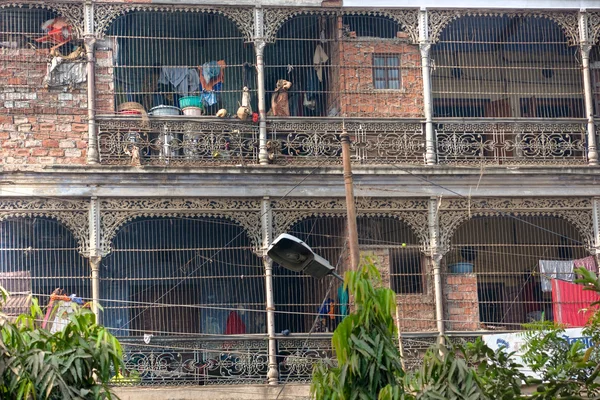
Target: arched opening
<point>37,256</point>
<point>493,277</point>
<point>301,300</point>
<point>162,57</point>
<point>506,66</point>
<point>350,66</point>
<point>183,275</point>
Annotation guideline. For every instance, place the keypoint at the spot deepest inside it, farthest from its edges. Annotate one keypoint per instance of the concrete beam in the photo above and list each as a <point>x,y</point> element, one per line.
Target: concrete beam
<point>230,392</point>
<point>415,181</point>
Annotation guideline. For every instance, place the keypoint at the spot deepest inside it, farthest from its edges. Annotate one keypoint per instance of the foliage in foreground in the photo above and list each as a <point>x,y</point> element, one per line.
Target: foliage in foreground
<point>470,371</point>
<point>75,363</point>
<point>369,362</point>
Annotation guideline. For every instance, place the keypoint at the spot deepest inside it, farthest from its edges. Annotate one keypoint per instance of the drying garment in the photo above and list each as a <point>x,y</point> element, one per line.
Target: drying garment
<point>343,300</point>
<point>210,70</point>
<point>552,269</point>
<point>213,321</point>
<point>280,105</point>
<point>588,263</point>
<point>184,80</point>
<point>63,72</point>
<point>571,304</point>
<point>319,58</point>
<point>235,325</point>
<point>208,81</point>
<point>327,308</point>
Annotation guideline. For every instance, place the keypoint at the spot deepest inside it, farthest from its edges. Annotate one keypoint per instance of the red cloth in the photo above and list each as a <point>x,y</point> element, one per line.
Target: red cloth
<point>235,325</point>
<point>571,304</point>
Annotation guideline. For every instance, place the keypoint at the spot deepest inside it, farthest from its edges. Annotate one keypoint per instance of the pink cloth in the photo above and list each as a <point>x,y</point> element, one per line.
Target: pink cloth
<point>588,263</point>
<point>571,304</point>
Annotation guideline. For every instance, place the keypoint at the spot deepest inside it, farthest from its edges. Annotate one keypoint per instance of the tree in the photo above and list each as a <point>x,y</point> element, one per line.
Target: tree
<point>368,360</point>
<point>75,363</point>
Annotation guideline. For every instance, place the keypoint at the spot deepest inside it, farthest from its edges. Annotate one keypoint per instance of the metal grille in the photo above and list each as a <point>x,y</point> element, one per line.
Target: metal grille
<point>162,141</point>
<point>300,298</point>
<point>164,57</point>
<point>182,276</point>
<point>481,141</point>
<point>506,66</point>
<point>25,48</point>
<point>39,255</point>
<point>595,75</point>
<point>351,66</point>
<point>199,361</point>
<point>382,142</point>
<point>492,276</point>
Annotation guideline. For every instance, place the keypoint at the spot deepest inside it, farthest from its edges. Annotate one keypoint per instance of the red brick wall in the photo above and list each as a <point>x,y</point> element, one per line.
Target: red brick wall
<point>416,311</point>
<point>41,126</point>
<point>105,85</point>
<point>359,97</point>
<point>461,302</point>
<point>38,125</point>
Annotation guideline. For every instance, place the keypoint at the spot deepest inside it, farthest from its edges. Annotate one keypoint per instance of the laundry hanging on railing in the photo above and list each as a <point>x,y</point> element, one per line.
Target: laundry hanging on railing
<point>588,263</point>
<point>212,78</point>
<point>184,80</point>
<point>571,304</point>
<point>554,269</point>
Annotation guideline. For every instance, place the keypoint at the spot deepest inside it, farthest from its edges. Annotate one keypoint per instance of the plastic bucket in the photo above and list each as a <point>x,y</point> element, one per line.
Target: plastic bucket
<point>190,101</point>
<point>130,112</point>
<point>193,111</point>
<point>162,111</point>
<point>461,268</point>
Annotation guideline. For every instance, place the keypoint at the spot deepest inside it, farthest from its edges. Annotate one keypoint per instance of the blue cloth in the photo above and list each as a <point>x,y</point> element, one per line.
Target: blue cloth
<point>343,300</point>
<point>210,98</point>
<point>325,307</point>
<point>210,70</point>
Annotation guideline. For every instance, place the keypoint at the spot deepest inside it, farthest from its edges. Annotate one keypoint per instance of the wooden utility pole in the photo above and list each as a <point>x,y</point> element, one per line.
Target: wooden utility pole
<point>350,204</point>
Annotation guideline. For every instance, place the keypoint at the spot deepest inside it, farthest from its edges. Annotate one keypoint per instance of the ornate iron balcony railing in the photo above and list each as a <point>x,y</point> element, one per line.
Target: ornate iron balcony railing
<point>516,141</point>
<point>176,141</point>
<point>183,141</point>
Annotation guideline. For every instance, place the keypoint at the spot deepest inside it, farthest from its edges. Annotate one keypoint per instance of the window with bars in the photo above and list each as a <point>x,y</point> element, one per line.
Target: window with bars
<point>386,71</point>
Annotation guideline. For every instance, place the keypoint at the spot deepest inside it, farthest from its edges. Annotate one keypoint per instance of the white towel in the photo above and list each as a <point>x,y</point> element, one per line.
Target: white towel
<point>552,269</point>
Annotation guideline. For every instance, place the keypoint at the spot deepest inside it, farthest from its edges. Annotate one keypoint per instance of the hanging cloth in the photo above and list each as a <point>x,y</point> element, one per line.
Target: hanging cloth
<point>211,74</point>
<point>184,80</point>
<point>319,58</point>
<point>552,269</point>
<point>571,304</point>
<point>343,300</point>
<point>280,105</point>
<point>235,325</point>
<point>588,263</point>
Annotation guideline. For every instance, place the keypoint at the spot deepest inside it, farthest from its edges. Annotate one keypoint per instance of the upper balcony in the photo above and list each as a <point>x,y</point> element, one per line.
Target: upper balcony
<point>179,87</point>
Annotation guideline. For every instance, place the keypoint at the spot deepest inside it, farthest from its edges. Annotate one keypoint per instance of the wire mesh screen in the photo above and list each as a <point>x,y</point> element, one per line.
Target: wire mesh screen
<point>37,256</point>
<point>301,300</point>
<point>183,276</point>
<point>499,270</point>
<point>180,59</point>
<point>28,36</point>
<point>595,77</point>
<point>352,66</point>
<point>506,66</point>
